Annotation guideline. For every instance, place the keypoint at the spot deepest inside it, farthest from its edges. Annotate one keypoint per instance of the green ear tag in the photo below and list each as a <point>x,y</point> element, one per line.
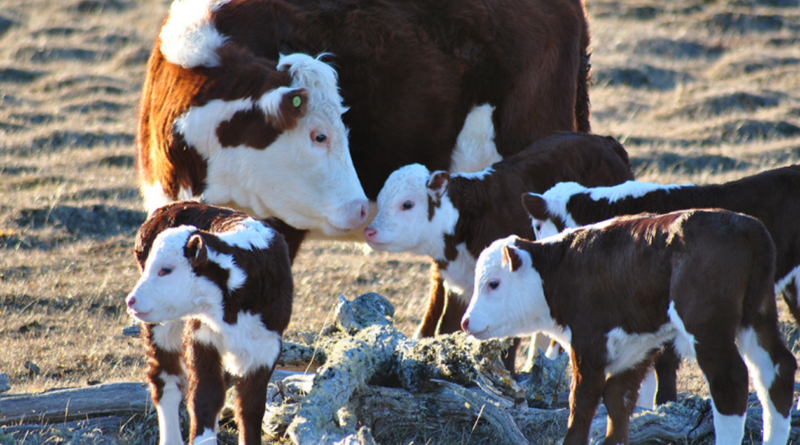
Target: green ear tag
<point>296,101</point>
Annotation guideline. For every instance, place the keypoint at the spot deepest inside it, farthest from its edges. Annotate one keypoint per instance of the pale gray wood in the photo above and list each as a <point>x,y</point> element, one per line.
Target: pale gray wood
<point>64,405</point>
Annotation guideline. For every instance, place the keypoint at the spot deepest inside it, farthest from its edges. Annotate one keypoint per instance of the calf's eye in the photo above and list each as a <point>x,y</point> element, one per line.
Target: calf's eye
<point>408,205</point>
<point>493,284</point>
<point>164,271</point>
<point>320,138</point>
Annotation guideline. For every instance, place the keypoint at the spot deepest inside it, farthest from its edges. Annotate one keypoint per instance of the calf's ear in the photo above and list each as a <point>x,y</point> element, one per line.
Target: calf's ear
<point>196,250</point>
<point>512,258</point>
<point>535,205</point>
<point>439,182</point>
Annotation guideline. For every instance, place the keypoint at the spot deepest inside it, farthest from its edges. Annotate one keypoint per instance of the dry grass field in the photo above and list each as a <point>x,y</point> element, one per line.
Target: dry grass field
<point>698,91</point>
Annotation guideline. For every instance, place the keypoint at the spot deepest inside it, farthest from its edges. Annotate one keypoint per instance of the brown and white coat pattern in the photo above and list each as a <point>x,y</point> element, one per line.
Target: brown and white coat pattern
<point>451,218</point>
<point>221,124</point>
<point>616,290</point>
<point>773,197</point>
<point>425,82</point>
<point>215,296</point>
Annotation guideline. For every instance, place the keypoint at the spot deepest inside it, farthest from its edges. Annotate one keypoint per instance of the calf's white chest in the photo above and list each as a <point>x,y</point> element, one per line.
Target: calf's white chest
<point>459,277</point>
<point>243,346</point>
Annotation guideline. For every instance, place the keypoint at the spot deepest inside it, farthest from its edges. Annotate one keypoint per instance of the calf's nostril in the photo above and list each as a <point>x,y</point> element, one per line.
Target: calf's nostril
<point>465,325</point>
<point>370,233</point>
<point>131,301</point>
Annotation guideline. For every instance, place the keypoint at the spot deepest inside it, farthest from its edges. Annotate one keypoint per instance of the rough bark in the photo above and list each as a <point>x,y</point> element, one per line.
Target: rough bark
<point>63,405</point>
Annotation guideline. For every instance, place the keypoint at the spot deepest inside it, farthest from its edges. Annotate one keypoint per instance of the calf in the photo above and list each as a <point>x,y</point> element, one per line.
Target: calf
<point>215,297</point>
<point>615,291</point>
<point>772,196</point>
<point>451,218</point>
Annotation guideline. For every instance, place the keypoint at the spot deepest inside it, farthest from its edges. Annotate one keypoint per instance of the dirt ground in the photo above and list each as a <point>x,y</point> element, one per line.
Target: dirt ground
<point>698,91</point>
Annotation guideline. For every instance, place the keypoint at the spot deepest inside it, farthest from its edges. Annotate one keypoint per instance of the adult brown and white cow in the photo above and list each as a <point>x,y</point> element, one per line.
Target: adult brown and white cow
<point>226,117</point>
<point>772,196</point>
<point>615,291</point>
<point>215,296</point>
<point>452,218</point>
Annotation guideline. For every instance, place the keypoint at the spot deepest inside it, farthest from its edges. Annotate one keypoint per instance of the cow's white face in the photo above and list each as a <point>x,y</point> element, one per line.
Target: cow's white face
<point>284,153</point>
<point>414,213</point>
<point>508,298</point>
<point>169,289</point>
<point>305,176</point>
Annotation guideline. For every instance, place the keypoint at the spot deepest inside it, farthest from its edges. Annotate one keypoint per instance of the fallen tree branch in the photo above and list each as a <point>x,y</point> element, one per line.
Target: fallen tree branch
<point>63,405</point>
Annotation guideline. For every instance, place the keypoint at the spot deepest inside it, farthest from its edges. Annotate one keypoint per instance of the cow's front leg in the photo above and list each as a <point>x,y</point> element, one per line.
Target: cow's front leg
<point>205,395</point>
<point>166,377</point>
<point>251,402</point>
<point>588,379</point>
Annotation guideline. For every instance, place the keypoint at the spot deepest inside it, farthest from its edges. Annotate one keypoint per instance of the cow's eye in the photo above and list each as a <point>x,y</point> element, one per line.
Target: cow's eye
<point>408,205</point>
<point>493,284</point>
<point>164,271</point>
<point>320,138</point>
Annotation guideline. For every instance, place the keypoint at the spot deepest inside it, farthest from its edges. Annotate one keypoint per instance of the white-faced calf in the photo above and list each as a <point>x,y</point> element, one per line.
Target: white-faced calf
<point>772,196</point>
<point>215,297</point>
<point>451,218</point>
<point>615,291</point>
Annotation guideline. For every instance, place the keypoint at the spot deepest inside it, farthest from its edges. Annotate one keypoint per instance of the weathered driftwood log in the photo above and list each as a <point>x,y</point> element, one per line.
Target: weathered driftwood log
<point>64,405</point>
<point>365,348</point>
<point>377,378</point>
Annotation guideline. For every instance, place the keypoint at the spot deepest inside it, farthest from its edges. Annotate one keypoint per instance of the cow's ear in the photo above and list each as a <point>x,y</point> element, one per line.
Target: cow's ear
<point>438,183</point>
<point>535,205</point>
<point>293,106</point>
<point>196,250</point>
<point>512,257</point>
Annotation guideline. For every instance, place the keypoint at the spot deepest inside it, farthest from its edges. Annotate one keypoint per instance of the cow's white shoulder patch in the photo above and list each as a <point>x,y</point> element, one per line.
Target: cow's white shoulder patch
<point>475,149</point>
<point>629,189</point>
<point>189,39</point>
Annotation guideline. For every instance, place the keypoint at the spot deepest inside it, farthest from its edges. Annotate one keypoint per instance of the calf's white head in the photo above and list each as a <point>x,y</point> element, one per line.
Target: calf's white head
<point>171,287</point>
<point>508,298</point>
<point>414,212</point>
<point>548,211</point>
